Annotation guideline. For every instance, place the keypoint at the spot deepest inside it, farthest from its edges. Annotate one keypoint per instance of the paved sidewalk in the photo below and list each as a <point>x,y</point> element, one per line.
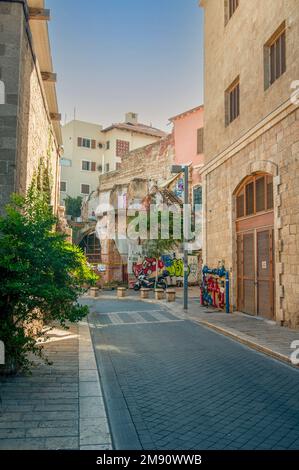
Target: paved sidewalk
<point>58,406</point>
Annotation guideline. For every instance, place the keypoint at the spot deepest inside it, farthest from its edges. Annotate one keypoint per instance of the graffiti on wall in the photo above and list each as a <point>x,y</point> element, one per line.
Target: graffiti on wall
<point>170,263</point>
<point>213,288</point>
<point>147,266</point>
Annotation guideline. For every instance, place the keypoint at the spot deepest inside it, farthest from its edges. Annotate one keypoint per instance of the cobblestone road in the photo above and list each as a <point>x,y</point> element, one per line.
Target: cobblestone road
<point>172,384</point>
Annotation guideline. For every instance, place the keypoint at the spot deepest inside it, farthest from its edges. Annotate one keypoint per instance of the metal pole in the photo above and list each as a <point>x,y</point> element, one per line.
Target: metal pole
<point>227,292</point>
<point>186,225</point>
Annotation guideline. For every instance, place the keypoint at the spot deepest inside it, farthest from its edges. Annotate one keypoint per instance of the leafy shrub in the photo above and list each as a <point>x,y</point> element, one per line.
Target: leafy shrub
<point>41,275</point>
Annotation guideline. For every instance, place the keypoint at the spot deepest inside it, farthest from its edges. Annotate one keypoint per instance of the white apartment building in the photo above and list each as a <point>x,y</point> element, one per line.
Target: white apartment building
<point>90,150</point>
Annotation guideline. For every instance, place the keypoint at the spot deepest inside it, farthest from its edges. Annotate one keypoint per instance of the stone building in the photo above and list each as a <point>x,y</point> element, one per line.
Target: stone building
<point>250,177</point>
<point>29,119</point>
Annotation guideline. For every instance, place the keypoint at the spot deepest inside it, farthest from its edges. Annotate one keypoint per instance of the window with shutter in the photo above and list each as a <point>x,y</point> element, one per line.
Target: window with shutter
<point>232,102</point>
<point>85,189</point>
<point>93,144</point>
<point>122,147</point>
<point>275,56</point>
<point>63,186</point>
<point>200,141</point>
<point>230,8</point>
<point>86,165</point>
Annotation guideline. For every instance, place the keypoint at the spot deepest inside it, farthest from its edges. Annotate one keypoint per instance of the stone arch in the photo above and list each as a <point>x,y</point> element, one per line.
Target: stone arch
<point>259,166</point>
<point>2,92</point>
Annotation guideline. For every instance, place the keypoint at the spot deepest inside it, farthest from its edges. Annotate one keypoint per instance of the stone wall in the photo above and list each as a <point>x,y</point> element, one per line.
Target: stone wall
<point>236,48</point>
<point>274,150</point>
<point>10,38</point>
<point>26,133</point>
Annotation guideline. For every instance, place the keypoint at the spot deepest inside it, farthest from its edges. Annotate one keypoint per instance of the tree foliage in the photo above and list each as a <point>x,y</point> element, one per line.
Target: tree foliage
<point>41,274</point>
<point>73,206</point>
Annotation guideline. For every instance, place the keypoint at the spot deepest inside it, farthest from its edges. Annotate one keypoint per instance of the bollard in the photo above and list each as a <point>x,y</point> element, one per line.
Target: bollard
<point>170,295</point>
<point>144,293</point>
<point>94,291</point>
<point>159,294</point>
<point>121,292</point>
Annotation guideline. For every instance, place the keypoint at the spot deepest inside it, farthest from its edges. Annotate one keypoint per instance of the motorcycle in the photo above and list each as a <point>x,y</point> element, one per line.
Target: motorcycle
<point>142,281</point>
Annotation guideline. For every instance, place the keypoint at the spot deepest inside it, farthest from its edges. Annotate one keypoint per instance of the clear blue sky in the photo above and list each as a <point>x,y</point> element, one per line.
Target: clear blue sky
<point>114,56</point>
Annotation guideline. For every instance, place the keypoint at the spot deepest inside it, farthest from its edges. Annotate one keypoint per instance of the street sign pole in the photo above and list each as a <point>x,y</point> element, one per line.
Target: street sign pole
<point>186,225</point>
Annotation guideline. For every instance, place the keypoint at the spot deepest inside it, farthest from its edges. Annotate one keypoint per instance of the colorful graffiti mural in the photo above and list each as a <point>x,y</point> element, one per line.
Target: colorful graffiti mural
<point>215,288</point>
<point>174,266</point>
<point>147,266</point>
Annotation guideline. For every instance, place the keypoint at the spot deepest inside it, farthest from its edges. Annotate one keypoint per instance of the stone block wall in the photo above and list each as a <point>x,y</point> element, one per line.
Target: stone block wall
<point>274,150</point>
<point>10,39</point>
<point>26,131</point>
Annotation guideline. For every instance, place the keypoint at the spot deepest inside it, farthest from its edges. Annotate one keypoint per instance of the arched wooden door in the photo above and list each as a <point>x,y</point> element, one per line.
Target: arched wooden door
<point>255,246</point>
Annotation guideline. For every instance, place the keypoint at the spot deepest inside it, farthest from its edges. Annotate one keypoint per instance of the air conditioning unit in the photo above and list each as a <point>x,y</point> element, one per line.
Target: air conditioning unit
<point>100,145</point>
<point>100,168</point>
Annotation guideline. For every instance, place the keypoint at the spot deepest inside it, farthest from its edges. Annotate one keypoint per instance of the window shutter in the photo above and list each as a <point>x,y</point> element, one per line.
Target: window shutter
<point>79,141</point>
<point>200,133</point>
<point>93,144</point>
<point>93,166</point>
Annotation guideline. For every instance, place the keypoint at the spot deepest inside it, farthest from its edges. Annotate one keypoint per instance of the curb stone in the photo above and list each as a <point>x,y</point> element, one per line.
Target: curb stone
<point>93,423</point>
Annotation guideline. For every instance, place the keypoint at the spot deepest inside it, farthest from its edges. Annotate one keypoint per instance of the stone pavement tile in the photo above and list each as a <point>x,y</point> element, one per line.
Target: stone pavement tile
<point>97,447</point>
<point>53,431</point>
<point>88,375</point>
<point>57,407</point>
<point>90,389</point>
<point>94,431</point>
<point>43,405</point>
<point>22,444</point>
<point>63,443</point>
<point>92,407</point>
<point>12,433</point>
<point>71,423</point>
<point>50,416</point>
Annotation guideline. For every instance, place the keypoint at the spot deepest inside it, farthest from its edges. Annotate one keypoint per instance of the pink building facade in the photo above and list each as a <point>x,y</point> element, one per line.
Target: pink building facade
<point>189,148</point>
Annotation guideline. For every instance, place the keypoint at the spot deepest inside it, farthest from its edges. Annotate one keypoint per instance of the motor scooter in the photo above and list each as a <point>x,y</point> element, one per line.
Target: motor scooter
<point>143,281</point>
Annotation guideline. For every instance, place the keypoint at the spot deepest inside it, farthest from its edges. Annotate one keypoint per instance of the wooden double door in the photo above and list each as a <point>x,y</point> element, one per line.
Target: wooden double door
<point>255,260</point>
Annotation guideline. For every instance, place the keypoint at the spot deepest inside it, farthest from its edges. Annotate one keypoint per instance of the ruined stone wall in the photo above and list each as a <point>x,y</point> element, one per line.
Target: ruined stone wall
<point>153,162</point>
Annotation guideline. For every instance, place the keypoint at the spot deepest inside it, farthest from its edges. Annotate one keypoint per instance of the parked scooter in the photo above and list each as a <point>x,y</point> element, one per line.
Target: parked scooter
<point>142,281</point>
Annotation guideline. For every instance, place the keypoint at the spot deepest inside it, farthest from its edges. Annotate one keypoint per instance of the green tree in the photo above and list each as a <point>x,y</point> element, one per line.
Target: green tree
<point>156,247</point>
<point>41,274</point>
<point>73,206</point>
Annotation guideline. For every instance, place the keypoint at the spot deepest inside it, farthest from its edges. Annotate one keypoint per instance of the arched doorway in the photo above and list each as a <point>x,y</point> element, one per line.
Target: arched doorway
<point>255,246</point>
<point>91,246</point>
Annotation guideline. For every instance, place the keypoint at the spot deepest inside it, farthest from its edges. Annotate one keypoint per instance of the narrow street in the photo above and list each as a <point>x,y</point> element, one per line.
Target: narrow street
<point>172,384</point>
